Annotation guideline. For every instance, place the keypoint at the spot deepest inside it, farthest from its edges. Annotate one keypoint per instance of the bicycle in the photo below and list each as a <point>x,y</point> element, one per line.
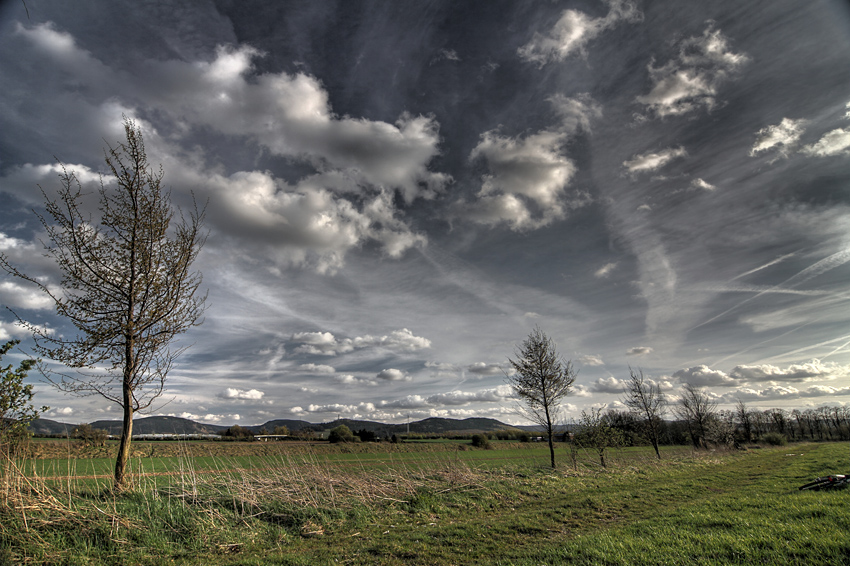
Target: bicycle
<point>838,481</point>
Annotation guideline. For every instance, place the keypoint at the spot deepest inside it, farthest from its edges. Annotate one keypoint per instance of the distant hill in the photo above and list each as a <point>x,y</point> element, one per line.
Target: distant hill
<point>177,425</point>
<point>292,424</point>
<point>47,427</point>
<point>444,426</point>
<point>160,425</point>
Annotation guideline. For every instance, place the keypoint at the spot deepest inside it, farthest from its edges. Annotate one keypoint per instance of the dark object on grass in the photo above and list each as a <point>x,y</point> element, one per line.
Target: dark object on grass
<point>837,481</point>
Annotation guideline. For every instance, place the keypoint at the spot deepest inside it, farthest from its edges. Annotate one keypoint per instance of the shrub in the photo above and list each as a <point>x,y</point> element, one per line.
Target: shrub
<point>480,441</point>
<point>341,434</point>
<point>366,435</point>
<point>774,439</point>
<point>237,432</point>
<point>89,435</point>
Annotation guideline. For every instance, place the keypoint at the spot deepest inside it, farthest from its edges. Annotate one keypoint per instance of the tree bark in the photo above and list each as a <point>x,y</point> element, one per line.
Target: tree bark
<point>126,438</point>
<point>551,449</point>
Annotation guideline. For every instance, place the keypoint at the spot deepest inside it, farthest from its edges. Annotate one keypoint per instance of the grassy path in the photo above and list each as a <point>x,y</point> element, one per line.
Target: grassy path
<point>741,509</point>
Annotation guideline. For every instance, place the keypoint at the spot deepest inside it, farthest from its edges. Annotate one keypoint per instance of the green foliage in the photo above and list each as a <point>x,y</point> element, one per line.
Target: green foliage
<point>481,441</point>
<point>281,430</point>
<point>16,410</point>
<point>237,432</point>
<point>366,435</point>
<point>596,432</point>
<point>341,433</point>
<point>512,434</point>
<point>774,439</point>
<point>89,435</point>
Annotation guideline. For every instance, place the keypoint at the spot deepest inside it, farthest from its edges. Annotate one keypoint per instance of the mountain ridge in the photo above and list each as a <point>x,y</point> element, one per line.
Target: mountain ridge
<point>179,425</point>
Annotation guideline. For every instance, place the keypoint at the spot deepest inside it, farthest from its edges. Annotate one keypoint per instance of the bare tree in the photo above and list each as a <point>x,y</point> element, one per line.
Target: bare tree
<point>645,400</point>
<point>744,416</point>
<point>697,409</point>
<point>127,285</point>
<point>541,379</point>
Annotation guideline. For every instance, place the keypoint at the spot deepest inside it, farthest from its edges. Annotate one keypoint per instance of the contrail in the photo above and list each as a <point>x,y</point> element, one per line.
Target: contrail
<point>784,334</point>
<point>835,260</point>
<point>765,266</point>
<point>763,289</point>
<point>818,345</point>
<point>837,349</point>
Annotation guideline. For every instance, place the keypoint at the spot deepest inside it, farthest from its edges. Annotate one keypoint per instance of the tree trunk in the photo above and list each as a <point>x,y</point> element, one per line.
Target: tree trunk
<point>550,431</point>
<point>124,445</point>
<point>655,445</point>
<point>551,450</point>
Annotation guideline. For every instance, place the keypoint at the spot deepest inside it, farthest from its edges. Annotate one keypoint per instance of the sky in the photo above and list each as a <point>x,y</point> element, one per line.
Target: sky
<point>399,192</point>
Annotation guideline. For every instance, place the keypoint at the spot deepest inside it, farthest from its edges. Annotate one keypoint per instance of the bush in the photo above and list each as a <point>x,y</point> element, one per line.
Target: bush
<point>774,439</point>
<point>366,435</point>
<point>341,434</point>
<point>237,432</point>
<point>480,441</point>
<point>89,435</point>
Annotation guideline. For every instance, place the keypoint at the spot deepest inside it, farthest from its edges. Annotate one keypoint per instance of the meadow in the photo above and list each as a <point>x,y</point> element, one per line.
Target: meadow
<point>425,503</point>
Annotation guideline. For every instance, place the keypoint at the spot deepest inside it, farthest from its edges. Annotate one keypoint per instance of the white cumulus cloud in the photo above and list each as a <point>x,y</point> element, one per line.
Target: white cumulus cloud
<point>653,161</point>
<point>325,343</point>
<point>835,142</point>
<point>573,31</point>
<point>241,394</point>
<point>526,182</point>
<point>692,79</point>
<point>605,270</point>
<point>782,137</point>
<point>702,376</point>
<point>393,375</point>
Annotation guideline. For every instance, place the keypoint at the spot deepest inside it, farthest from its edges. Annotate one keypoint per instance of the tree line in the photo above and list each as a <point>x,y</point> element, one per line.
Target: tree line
<point>541,379</point>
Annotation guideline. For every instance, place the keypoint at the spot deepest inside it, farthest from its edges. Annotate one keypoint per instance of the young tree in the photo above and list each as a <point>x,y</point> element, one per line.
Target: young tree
<point>127,285</point>
<point>541,379</point>
<point>16,410</point>
<point>645,400</point>
<point>697,410</point>
<point>596,432</point>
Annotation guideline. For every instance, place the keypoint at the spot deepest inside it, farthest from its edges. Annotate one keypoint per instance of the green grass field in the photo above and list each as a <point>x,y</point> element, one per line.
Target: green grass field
<point>318,505</point>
